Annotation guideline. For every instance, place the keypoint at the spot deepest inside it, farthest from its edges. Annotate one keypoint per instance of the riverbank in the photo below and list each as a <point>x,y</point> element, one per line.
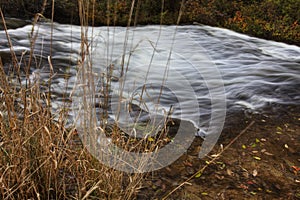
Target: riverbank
<point>256,157</point>
<point>273,20</point>
<point>263,162</point>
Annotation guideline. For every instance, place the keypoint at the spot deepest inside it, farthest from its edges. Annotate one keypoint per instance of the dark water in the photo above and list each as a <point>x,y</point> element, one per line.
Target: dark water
<point>194,73</point>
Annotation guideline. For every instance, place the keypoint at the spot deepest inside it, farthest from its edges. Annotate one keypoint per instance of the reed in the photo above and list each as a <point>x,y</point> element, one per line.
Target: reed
<point>39,157</point>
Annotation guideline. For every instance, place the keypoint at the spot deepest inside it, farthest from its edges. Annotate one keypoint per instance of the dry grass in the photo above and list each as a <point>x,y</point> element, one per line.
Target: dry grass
<point>42,159</point>
<point>39,157</point>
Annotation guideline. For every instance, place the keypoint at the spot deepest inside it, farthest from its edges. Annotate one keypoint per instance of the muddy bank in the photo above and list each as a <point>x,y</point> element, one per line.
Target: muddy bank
<point>263,163</point>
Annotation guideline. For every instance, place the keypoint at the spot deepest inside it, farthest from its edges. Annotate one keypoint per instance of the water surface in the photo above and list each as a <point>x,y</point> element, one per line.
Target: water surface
<point>166,70</point>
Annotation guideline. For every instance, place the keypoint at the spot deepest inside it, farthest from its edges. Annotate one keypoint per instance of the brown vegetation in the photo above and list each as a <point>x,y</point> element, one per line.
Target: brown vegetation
<point>275,19</point>
<point>39,157</point>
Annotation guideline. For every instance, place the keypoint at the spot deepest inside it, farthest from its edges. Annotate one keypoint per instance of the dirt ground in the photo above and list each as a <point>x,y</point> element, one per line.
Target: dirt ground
<point>262,163</point>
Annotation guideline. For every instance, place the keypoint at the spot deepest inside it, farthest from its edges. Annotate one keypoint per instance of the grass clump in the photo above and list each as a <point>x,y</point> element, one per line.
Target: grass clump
<point>39,157</point>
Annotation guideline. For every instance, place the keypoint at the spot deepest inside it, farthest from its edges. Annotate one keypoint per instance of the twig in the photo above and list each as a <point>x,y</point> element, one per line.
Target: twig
<point>208,163</point>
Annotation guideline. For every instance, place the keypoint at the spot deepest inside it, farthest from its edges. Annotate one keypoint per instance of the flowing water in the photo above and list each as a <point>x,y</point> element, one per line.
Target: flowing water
<point>187,71</point>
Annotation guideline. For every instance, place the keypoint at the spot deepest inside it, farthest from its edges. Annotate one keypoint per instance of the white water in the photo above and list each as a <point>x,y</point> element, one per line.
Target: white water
<point>257,74</point>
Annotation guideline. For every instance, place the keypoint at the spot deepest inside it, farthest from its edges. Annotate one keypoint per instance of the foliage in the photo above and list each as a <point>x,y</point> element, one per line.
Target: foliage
<point>271,19</point>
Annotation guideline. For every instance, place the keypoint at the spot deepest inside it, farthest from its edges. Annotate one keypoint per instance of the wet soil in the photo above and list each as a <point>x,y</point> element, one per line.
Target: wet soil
<point>261,163</point>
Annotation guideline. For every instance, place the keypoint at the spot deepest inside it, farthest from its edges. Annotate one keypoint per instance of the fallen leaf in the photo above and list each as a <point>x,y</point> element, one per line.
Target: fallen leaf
<point>245,187</point>
<point>250,182</point>
<point>254,173</point>
<point>256,158</point>
<point>296,169</point>
<point>268,154</point>
<point>286,125</point>
<point>229,172</point>
<point>253,145</point>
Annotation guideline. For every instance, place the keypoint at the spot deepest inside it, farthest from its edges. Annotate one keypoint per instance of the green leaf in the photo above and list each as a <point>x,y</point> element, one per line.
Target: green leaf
<point>253,145</point>
<point>198,175</point>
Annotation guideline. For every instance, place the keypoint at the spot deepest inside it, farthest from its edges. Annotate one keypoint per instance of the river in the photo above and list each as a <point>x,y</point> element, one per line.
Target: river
<point>195,73</point>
